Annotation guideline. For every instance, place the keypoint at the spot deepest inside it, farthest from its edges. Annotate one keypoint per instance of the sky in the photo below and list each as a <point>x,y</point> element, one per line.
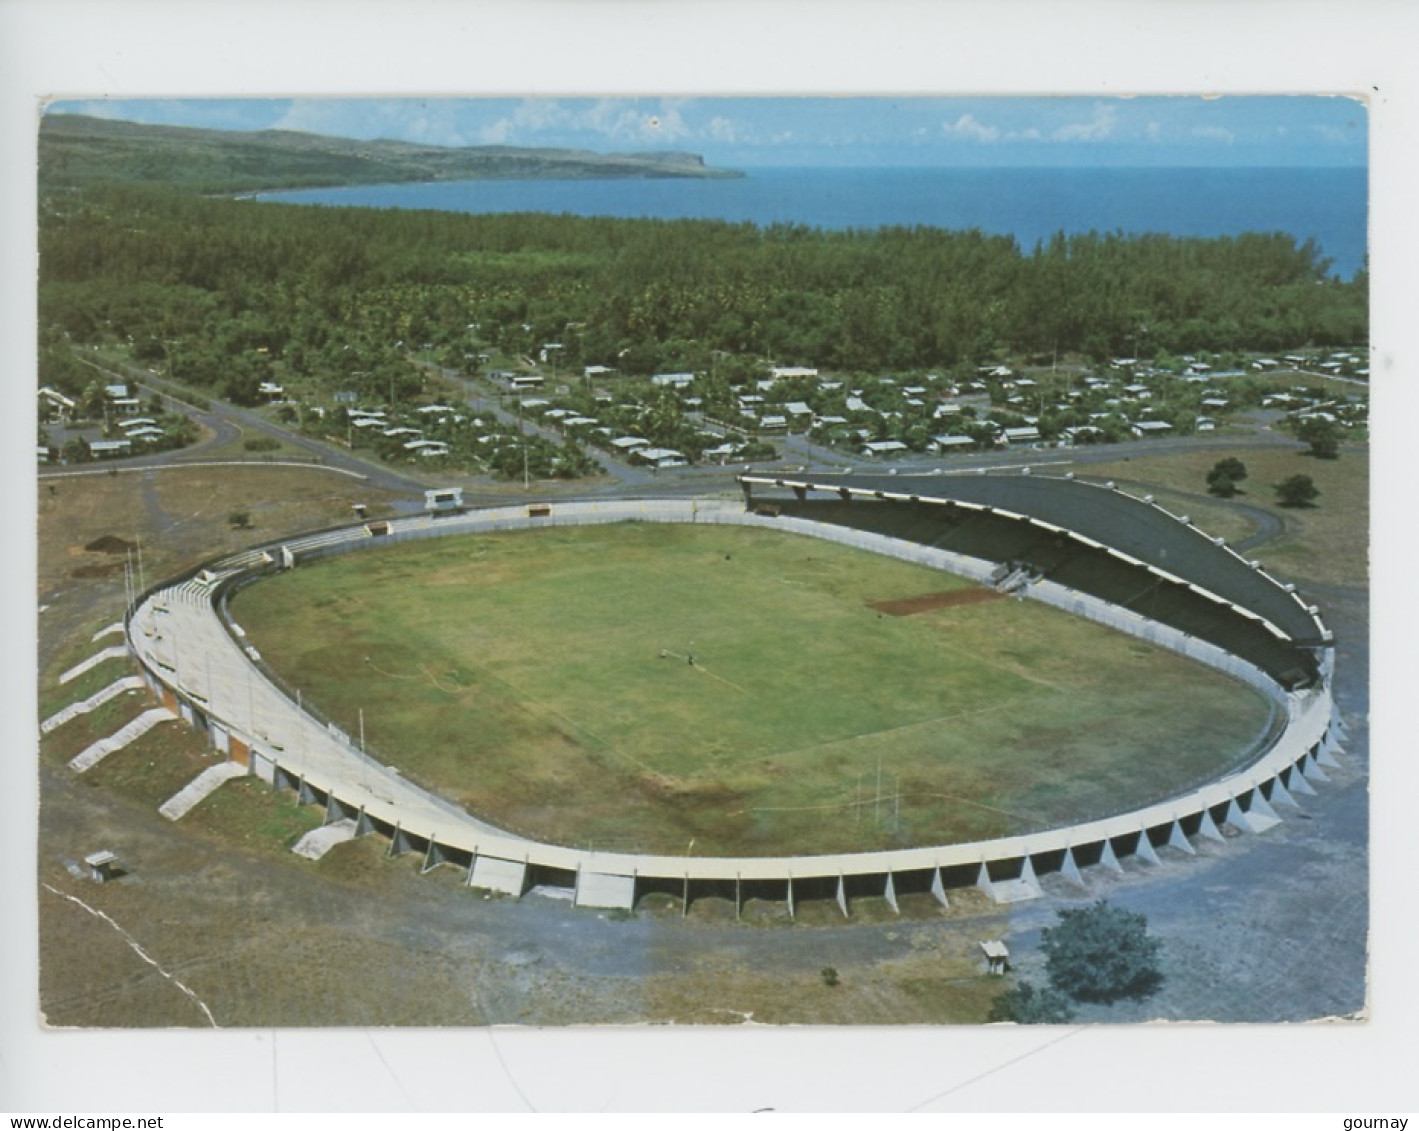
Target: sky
<point>1292,130</point>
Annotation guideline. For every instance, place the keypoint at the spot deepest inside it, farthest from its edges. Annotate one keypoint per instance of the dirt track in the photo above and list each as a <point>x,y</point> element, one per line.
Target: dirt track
<point>907,606</point>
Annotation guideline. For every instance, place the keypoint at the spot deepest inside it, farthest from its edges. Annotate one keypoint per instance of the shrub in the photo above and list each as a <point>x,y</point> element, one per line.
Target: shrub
<point>1025,1005</point>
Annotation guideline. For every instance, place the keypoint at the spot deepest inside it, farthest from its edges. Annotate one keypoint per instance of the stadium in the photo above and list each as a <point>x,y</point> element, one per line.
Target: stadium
<point>1087,550</point>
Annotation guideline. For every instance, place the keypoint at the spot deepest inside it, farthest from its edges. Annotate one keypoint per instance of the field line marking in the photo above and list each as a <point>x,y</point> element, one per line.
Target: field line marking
<point>873,734</point>
<point>138,950</point>
<point>950,645</point>
<point>665,654</point>
<point>527,703</point>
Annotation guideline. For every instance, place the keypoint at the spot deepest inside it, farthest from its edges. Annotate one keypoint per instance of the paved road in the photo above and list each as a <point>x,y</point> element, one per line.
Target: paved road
<point>227,422</point>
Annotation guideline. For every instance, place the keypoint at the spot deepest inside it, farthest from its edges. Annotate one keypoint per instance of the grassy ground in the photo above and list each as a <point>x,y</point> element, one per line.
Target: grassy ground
<point>544,680</point>
<point>1326,543</point>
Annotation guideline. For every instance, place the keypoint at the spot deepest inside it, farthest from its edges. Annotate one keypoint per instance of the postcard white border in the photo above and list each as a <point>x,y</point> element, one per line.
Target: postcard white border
<point>765,47</point>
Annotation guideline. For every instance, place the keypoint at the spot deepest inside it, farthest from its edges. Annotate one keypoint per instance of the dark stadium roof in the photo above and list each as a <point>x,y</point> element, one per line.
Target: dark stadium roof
<point>1106,516</point>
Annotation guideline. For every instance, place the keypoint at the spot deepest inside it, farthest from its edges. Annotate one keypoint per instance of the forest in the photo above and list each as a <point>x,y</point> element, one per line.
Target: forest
<point>228,293</point>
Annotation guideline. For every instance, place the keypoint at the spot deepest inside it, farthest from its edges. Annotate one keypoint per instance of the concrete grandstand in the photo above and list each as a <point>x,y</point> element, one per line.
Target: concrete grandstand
<point>1092,551</point>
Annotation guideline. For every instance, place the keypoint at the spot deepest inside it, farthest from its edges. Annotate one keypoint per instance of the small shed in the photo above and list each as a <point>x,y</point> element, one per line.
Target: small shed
<point>997,956</point>
<point>443,500</point>
<point>103,866</point>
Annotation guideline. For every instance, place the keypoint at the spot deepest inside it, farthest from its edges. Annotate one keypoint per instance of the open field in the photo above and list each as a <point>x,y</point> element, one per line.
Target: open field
<point>544,680</point>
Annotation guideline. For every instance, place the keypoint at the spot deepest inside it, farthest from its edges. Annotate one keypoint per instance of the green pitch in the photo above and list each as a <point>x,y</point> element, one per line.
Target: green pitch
<point>544,680</point>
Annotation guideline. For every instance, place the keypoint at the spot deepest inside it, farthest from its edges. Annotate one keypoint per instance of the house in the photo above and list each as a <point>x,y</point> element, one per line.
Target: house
<point>108,449</point>
<point>271,391</point>
<point>522,381</point>
<point>785,372</point>
<point>673,380</point>
<point>943,444</point>
<point>659,457</point>
<point>591,371</point>
<point>724,452</point>
<point>57,402</point>
<point>146,434</point>
<point>1027,434</point>
<point>1145,428</point>
<point>774,423</point>
<point>628,444</point>
<point>884,447</point>
<point>427,447</point>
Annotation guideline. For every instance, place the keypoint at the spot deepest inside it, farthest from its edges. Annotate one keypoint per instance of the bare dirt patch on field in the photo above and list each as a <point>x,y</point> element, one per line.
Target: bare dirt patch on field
<point>908,606</point>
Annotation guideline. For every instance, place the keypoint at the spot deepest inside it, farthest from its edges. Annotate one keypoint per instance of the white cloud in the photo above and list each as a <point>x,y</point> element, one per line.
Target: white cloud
<point>967,127</point>
<point>540,121</point>
<point>1100,126</point>
<point>723,129</point>
<point>430,121</point>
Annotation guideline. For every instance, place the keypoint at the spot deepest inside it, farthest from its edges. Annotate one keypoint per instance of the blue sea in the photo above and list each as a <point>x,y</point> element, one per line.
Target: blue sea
<point>1327,205</point>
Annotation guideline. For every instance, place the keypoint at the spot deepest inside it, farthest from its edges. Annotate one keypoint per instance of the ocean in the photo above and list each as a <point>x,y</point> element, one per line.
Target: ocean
<point>1327,205</point>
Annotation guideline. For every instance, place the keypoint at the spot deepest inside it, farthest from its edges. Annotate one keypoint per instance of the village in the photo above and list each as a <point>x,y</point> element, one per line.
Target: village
<point>511,418</point>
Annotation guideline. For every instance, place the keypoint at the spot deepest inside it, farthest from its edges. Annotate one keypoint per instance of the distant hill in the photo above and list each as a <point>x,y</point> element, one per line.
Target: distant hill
<point>75,150</point>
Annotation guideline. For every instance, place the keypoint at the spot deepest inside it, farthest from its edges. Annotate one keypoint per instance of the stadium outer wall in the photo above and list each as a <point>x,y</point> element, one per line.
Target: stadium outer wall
<point>197,662</point>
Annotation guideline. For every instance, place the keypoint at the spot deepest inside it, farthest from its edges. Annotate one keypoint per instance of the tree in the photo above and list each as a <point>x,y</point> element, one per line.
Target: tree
<point>1231,467</point>
<point>1322,435</point>
<point>1026,1005</point>
<point>1222,480</point>
<point>1297,491</point>
<point>1102,954</point>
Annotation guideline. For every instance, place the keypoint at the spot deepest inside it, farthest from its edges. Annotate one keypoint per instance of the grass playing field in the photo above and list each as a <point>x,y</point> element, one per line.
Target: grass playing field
<point>544,680</point>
